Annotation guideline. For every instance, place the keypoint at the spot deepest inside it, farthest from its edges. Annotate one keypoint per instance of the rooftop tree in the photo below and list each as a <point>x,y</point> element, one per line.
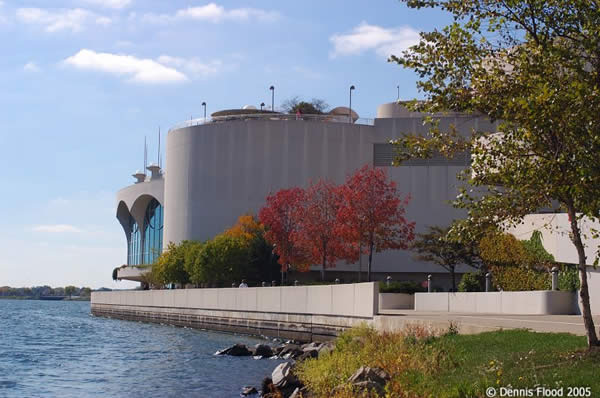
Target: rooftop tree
<point>371,215</point>
<point>533,66</point>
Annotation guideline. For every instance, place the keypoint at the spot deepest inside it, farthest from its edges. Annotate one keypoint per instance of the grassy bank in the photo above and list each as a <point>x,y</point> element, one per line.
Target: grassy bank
<point>424,363</point>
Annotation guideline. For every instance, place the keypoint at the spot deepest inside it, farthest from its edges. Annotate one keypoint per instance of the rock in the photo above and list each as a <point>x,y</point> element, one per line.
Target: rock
<point>283,375</point>
<point>301,393</point>
<point>248,390</point>
<point>367,379</point>
<point>291,351</point>
<point>308,354</point>
<point>311,346</point>
<point>326,348</point>
<point>263,350</point>
<point>238,350</point>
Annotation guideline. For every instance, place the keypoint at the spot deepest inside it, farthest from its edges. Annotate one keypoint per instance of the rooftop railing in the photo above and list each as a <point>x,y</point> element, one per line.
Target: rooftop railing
<point>272,116</point>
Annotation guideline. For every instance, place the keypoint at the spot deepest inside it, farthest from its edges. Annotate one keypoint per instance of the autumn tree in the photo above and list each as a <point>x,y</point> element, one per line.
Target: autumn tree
<point>371,214</point>
<point>278,217</point>
<point>317,232</point>
<point>533,66</point>
<point>437,247</point>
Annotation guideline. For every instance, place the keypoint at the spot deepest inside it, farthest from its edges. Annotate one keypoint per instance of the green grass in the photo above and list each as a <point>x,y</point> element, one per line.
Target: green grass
<point>422,365</point>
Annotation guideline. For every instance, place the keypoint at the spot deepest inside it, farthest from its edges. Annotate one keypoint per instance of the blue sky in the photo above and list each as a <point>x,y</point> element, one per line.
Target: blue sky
<point>82,83</point>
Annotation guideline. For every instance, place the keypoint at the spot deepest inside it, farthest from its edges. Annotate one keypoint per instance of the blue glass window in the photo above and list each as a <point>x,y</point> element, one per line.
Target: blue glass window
<point>134,246</point>
<point>153,232</point>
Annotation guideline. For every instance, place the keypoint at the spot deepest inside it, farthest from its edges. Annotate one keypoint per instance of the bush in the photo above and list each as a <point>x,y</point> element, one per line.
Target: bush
<point>472,282</point>
<point>568,278</point>
<point>409,287</point>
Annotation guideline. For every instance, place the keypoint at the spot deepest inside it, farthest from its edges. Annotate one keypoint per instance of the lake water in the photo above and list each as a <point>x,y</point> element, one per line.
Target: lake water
<point>57,349</point>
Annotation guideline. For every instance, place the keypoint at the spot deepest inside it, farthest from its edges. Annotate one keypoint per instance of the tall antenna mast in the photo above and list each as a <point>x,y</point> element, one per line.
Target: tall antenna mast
<point>158,146</point>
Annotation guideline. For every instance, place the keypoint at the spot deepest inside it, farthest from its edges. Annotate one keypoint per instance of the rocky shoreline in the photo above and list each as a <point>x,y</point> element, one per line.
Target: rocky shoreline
<point>283,382</point>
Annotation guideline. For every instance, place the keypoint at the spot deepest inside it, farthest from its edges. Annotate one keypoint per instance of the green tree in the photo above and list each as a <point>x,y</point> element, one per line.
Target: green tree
<point>220,261</point>
<point>69,290</point>
<point>533,66</point>
<point>169,267</point>
<point>314,107</point>
<point>437,247</point>
<point>85,292</point>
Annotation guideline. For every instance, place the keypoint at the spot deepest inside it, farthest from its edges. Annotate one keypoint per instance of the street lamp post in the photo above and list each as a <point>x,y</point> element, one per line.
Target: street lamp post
<point>262,104</point>
<point>350,113</point>
<point>272,88</point>
<point>204,105</point>
<point>398,87</point>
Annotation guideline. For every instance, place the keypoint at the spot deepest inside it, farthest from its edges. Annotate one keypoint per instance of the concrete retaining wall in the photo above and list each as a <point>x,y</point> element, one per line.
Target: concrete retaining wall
<point>518,303</point>
<point>396,301</point>
<point>303,312</point>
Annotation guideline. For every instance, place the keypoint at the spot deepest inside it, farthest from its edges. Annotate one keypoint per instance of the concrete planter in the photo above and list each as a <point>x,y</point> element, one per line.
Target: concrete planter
<point>517,303</point>
<point>396,301</point>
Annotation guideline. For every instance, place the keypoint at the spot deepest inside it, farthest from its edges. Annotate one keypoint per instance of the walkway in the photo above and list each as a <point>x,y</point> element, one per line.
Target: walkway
<point>477,323</point>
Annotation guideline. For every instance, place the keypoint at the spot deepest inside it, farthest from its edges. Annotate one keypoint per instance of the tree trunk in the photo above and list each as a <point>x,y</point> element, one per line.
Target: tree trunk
<point>359,261</point>
<point>370,262</point>
<point>584,293</point>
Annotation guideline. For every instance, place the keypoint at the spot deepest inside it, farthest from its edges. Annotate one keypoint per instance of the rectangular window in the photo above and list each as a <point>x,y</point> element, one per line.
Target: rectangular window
<point>384,155</point>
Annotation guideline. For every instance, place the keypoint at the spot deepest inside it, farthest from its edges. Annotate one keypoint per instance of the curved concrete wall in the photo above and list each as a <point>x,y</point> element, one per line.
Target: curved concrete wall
<point>219,171</point>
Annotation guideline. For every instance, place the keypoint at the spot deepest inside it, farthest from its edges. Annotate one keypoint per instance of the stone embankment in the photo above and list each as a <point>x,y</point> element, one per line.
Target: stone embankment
<point>283,381</point>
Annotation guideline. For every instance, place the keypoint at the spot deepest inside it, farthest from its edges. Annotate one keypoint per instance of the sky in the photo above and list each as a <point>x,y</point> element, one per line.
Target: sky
<point>84,81</point>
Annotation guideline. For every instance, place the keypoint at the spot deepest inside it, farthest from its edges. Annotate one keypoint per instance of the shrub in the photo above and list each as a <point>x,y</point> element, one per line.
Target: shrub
<point>568,278</point>
<point>472,282</point>
<point>409,287</point>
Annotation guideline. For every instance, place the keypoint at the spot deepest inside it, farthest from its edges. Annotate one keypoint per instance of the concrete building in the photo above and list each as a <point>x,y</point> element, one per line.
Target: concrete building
<point>218,169</point>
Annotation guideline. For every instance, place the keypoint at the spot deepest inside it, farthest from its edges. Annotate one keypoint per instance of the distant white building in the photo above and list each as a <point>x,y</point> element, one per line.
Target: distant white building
<point>221,168</point>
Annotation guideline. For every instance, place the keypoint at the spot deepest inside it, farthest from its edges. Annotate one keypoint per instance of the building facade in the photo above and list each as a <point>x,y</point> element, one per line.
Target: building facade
<point>223,168</point>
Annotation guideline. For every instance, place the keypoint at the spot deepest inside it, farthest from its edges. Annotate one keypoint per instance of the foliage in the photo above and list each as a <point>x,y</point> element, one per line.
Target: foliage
<point>517,265</point>
<point>221,261</point>
<point>444,364</point>
<point>408,287</point>
<point>472,282</point>
<point>70,290</point>
<point>314,107</point>
<point>437,247</point>
<point>278,217</point>
<point>246,227</point>
<point>514,278</point>
<point>170,265</point>
<point>371,214</point>
<point>534,67</point>
<point>568,278</point>
<point>317,231</point>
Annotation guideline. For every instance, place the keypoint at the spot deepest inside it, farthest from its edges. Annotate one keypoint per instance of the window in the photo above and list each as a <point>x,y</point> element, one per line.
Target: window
<point>153,232</point>
<point>384,155</point>
<point>134,245</point>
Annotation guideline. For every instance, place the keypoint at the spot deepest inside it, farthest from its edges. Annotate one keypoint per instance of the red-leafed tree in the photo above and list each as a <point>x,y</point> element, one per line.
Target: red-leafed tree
<point>318,225</point>
<point>278,217</point>
<point>372,213</point>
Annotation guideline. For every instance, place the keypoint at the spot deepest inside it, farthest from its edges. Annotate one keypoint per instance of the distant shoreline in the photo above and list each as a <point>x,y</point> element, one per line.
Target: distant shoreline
<point>37,298</point>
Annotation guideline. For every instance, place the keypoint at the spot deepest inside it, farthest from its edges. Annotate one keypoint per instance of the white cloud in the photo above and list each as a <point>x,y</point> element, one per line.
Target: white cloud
<point>193,66</point>
<point>117,4</point>
<point>137,69</point>
<point>31,67</point>
<point>57,228</point>
<point>383,41</point>
<point>214,13</point>
<point>74,20</point>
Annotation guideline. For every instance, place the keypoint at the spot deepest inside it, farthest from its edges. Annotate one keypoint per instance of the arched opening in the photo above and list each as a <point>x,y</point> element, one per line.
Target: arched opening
<point>134,244</point>
<point>153,232</point>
